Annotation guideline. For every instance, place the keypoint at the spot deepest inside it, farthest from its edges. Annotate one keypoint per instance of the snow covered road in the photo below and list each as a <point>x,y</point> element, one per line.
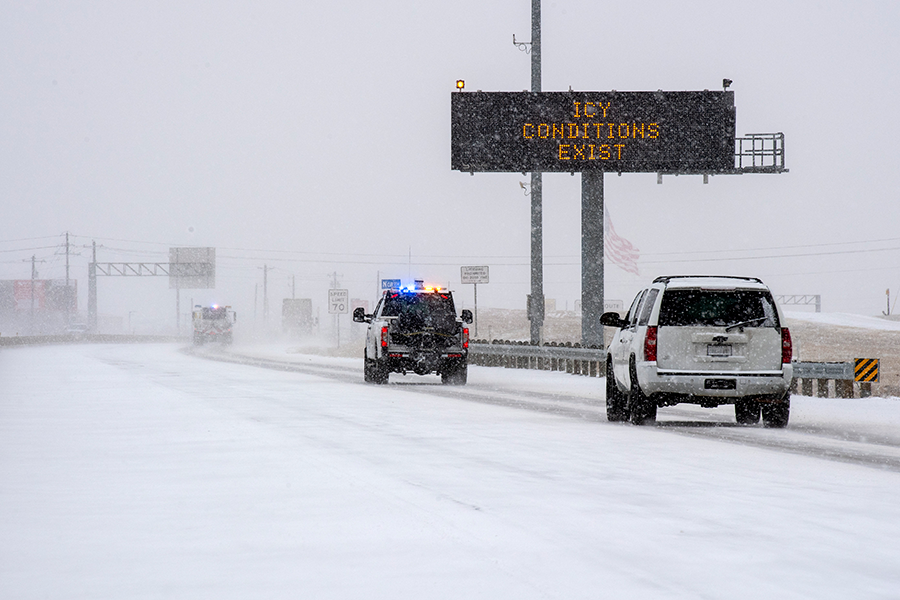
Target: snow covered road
<point>143,472</point>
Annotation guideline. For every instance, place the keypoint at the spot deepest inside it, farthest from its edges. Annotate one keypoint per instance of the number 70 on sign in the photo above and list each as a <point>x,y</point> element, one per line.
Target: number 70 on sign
<point>338,302</point>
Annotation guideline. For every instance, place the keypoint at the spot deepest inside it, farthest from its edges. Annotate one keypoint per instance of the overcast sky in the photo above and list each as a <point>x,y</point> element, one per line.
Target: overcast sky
<point>314,138</point>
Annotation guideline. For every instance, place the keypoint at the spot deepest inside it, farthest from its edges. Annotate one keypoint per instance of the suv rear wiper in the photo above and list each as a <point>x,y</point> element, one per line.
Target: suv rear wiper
<point>743,324</point>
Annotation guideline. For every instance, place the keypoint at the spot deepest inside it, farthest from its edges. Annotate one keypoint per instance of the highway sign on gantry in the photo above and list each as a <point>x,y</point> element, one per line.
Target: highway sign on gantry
<point>625,132</point>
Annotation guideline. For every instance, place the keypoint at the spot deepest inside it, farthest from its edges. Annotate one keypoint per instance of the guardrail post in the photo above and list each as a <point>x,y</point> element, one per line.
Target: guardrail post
<point>843,388</point>
<point>807,387</point>
<point>822,388</point>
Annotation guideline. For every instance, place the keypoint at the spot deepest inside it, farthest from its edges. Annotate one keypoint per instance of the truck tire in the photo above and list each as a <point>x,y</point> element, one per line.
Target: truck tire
<point>641,408</point>
<point>368,369</point>
<point>456,375</point>
<point>746,412</point>
<point>198,339</point>
<point>380,372</point>
<point>616,402</point>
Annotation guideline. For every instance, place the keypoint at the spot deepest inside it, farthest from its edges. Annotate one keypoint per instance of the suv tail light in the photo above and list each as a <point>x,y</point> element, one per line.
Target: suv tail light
<point>787,347</point>
<point>384,337</point>
<point>650,345</point>
<point>465,337</point>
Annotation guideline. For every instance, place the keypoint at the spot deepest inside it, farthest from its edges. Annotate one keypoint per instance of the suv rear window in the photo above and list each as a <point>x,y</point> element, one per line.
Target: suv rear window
<point>718,308</point>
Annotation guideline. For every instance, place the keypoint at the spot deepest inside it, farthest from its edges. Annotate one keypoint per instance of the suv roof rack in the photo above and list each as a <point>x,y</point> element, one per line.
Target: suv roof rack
<point>667,278</point>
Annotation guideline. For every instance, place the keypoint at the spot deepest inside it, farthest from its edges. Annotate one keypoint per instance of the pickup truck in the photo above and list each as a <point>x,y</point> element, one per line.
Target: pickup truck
<point>416,330</point>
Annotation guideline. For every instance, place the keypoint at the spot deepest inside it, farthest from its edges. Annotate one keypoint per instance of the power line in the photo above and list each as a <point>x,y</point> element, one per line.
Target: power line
<point>862,251</point>
<point>30,249</point>
<point>830,244</point>
<point>46,237</point>
<point>427,260</point>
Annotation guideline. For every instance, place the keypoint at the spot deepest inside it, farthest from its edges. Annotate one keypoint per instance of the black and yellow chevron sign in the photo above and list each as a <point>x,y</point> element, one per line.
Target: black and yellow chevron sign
<point>865,369</point>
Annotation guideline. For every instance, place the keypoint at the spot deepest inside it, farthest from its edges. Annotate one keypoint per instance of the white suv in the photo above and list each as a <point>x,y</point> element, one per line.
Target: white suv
<point>700,340</point>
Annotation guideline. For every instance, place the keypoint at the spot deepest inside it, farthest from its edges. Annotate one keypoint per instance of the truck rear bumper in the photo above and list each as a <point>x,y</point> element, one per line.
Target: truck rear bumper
<point>422,363</point>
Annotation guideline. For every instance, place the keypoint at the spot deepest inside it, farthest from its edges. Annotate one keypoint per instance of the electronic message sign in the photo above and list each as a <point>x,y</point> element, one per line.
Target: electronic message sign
<point>668,132</point>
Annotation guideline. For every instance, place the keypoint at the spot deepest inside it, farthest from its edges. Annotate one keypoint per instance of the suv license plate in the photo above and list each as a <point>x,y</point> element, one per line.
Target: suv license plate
<point>718,350</point>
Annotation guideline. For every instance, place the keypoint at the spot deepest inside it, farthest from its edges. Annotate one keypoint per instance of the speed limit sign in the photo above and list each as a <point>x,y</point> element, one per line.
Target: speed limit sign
<point>338,302</point>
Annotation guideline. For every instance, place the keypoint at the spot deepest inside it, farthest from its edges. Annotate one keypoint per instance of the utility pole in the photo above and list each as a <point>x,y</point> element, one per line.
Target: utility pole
<point>33,277</point>
<point>92,291</point>
<point>68,296</point>
<point>265,295</point>
<point>537,235</point>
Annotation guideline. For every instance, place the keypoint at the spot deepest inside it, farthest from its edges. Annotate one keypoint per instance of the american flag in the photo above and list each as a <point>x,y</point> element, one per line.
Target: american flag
<point>618,249</point>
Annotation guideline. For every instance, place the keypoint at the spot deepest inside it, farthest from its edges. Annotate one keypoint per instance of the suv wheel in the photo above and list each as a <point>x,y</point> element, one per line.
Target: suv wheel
<point>776,415</point>
<point>746,412</point>
<point>616,402</point>
<point>640,407</point>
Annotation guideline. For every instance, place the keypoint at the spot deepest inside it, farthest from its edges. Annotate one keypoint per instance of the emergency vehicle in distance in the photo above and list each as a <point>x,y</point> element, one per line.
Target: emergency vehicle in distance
<point>213,324</point>
<point>416,330</point>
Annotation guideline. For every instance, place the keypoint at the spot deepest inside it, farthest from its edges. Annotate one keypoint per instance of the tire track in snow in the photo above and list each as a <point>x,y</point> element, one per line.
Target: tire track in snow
<point>818,442</point>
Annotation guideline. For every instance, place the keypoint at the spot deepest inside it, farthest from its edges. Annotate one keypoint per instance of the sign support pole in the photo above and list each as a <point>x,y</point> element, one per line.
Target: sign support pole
<point>537,233</point>
<point>591,258</point>
<point>475,334</point>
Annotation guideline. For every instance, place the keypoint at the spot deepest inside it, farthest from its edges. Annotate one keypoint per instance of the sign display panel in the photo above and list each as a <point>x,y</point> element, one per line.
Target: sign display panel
<point>474,274</point>
<point>338,302</point>
<point>626,132</point>
<point>192,268</point>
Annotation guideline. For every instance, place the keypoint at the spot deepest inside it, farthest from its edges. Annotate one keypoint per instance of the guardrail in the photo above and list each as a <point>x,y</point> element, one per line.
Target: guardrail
<point>820,379</point>
<point>830,380</point>
<point>571,358</point>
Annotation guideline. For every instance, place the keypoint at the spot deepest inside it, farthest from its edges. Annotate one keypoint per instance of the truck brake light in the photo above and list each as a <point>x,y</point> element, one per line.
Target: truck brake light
<point>465,337</point>
<point>787,347</point>
<point>650,345</point>
<point>384,337</point>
